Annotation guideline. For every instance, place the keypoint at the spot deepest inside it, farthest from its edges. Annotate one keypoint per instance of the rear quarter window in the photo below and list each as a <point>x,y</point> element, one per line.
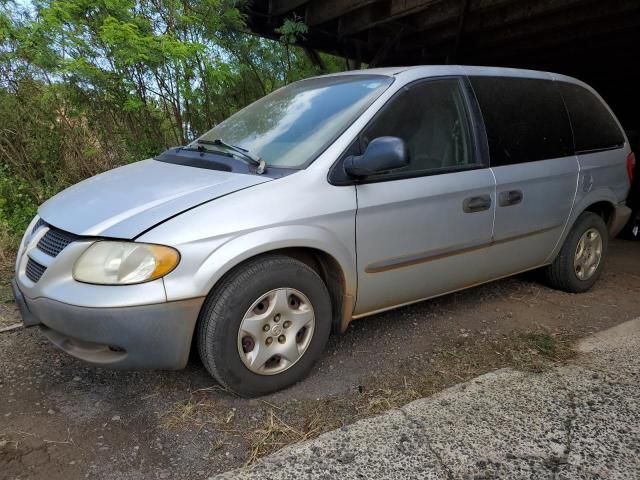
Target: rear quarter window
<point>525,119</point>
<point>594,128</point>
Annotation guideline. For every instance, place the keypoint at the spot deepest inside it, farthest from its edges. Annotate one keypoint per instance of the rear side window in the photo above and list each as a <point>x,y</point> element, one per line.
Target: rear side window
<point>594,128</point>
<point>525,119</point>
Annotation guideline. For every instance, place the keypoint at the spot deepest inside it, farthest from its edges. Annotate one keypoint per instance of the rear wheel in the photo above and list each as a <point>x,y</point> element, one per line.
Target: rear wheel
<point>264,327</point>
<point>581,259</point>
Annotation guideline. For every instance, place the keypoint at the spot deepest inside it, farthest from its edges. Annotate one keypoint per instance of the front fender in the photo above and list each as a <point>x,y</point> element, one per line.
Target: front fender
<point>230,252</point>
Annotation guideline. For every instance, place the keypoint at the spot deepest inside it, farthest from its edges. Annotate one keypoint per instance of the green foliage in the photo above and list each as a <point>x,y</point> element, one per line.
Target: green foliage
<point>88,85</point>
<point>292,30</point>
<point>542,342</point>
<point>16,213</point>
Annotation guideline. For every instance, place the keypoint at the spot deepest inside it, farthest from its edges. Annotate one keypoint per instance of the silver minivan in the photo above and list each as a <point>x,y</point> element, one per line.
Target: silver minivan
<point>331,199</point>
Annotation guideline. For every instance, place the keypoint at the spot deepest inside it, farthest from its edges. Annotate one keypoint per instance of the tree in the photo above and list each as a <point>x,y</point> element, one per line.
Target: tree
<point>87,85</point>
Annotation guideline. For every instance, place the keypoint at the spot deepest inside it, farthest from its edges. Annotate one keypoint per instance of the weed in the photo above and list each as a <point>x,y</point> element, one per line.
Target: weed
<point>276,433</point>
<point>542,342</point>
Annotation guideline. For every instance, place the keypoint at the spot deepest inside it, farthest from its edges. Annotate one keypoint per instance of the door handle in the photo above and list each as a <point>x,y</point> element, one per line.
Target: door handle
<point>510,197</point>
<point>476,204</point>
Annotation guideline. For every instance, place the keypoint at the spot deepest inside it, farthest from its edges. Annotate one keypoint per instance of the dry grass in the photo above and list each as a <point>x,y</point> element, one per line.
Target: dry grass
<point>292,422</point>
<point>185,413</point>
<point>276,433</point>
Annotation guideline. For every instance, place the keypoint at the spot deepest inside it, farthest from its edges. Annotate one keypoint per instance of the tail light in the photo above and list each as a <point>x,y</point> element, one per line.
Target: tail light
<point>631,166</point>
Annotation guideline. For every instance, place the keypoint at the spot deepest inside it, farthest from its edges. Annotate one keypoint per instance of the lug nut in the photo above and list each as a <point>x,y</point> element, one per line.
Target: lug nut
<point>265,328</point>
<point>276,318</point>
<point>286,324</point>
<point>269,340</point>
<point>282,339</point>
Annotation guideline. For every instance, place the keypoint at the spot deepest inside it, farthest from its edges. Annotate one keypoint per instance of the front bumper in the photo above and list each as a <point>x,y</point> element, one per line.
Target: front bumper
<point>146,336</point>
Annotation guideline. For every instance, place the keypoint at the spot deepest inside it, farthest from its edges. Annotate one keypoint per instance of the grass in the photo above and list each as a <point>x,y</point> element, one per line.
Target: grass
<point>8,312</point>
<point>544,343</point>
<point>184,413</point>
<point>276,433</point>
<point>7,259</point>
<point>265,428</point>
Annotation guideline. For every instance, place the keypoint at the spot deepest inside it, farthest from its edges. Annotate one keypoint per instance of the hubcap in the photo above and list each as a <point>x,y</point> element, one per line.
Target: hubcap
<point>276,331</point>
<point>588,254</point>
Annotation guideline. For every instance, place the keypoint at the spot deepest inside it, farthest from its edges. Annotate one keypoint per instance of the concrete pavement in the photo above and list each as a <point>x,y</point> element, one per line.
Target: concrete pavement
<point>580,420</point>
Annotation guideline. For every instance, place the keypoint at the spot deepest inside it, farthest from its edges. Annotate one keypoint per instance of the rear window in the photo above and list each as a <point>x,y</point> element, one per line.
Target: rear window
<point>525,119</point>
<point>594,128</point>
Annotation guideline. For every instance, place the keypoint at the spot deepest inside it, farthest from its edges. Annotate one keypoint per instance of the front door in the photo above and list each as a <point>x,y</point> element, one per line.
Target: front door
<point>424,230</point>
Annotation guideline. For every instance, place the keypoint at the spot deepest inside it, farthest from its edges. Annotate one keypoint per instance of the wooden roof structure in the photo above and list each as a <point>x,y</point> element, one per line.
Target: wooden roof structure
<point>596,40</point>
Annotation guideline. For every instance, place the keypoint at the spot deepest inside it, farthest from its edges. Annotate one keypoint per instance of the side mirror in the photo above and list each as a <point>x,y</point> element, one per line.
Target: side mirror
<point>382,154</point>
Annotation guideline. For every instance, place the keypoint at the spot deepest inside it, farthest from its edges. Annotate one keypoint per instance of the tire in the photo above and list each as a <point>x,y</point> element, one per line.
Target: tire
<point>223,349</point>
<point>562,274</point>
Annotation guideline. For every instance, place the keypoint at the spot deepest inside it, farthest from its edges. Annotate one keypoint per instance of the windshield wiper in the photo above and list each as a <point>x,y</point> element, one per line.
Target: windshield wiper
<point>243,152</point>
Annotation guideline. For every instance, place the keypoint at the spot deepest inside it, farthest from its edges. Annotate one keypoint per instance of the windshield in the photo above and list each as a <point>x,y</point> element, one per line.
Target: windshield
<point>291,126</point>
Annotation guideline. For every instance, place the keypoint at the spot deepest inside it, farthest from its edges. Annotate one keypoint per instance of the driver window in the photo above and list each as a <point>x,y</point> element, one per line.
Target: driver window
<point>432,119</point>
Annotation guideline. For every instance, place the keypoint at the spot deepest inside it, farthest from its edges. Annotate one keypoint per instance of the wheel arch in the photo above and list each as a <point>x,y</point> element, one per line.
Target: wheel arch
<point>333,262</point>
<point>601,202</point>
<point>603,208</point>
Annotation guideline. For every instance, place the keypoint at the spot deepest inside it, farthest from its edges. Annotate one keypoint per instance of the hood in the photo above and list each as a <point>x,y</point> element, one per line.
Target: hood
<point>126,201</point>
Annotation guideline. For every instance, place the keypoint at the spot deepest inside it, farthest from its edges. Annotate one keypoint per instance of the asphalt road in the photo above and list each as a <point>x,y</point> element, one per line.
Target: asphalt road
<point>60,419</point>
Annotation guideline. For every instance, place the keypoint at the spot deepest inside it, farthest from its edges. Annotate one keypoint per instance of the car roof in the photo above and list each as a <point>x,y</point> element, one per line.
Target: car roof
<point>387,71</point>
<point>470,70</point>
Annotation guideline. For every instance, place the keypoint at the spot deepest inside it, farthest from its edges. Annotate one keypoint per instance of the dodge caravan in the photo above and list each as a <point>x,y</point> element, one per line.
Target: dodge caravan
<point>328,200</point>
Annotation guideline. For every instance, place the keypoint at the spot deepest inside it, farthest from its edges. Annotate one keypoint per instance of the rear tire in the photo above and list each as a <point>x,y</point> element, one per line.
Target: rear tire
<point>579,265</point>
<point>256,312</point>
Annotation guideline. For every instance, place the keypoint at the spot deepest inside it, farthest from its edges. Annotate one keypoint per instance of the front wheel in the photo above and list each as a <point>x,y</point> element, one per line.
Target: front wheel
<point>265,325</point>
<point>581,259</point>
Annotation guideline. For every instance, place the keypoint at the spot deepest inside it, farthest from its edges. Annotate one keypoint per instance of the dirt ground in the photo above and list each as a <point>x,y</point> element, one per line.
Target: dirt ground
<point>60,419</point>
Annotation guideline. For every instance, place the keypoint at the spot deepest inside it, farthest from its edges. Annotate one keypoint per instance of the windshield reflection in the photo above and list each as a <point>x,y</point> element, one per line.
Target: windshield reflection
<point>289,127</point>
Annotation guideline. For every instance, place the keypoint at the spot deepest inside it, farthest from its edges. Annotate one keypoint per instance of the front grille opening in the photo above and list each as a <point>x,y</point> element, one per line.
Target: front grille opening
<point>39,223</point>
<point>34,270</point>
<point>54,241</point>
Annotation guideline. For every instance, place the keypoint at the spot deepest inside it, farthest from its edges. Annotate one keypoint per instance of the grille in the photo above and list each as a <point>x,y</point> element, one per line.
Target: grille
<point>34,270</point>
<point>54,241</point>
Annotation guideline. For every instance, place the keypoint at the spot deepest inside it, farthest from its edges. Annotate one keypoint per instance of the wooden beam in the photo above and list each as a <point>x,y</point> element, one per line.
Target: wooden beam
<point>383,52</point>
<point>322,11</point>
<point>498,20</point>
<point>519,44</point>
<point>597,30</point>
<point>280,7</point>
<point>513,13</point>
<point>448,12</point>
<point>492,33</point>
<point>382,12</point>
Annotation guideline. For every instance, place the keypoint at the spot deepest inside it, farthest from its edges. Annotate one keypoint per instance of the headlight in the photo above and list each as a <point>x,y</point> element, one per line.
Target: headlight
<point>123,263</point>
